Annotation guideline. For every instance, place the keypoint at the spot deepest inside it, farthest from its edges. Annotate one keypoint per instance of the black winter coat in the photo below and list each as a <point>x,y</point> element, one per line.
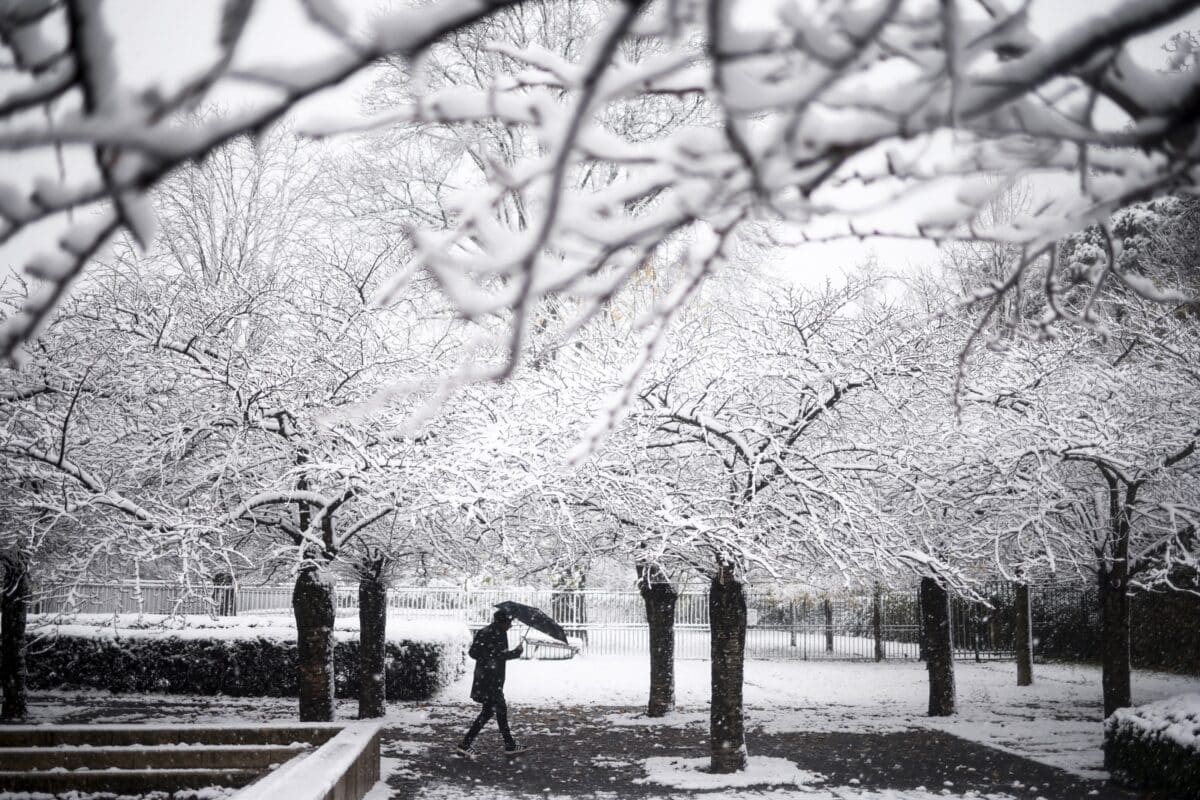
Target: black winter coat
<point>490,651</point>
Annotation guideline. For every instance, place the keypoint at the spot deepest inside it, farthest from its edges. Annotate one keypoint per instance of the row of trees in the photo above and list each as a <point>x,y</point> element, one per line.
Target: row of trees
<point>187,415</point>
<point>798,432</point>
<point>291,380</point>
<point>1074,454</point>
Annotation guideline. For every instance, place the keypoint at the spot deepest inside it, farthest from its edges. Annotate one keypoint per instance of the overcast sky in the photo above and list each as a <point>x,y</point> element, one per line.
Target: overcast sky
<point>160,43</point>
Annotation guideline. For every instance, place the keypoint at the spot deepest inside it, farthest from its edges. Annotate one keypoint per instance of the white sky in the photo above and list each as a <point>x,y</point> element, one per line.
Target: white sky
<point>162,42</point>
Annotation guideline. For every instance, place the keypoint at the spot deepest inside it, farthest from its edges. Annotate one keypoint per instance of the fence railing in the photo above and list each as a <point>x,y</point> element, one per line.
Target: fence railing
<point>781,625</point>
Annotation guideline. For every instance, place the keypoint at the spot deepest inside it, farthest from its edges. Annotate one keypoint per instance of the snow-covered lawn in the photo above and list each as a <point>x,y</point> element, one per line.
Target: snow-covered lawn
<point>1057,721</point>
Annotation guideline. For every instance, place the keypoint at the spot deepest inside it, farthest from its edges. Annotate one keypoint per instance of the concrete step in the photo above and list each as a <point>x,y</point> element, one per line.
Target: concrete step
<point>257,757</point>
<point>125,781</point>
<point>120,735</point>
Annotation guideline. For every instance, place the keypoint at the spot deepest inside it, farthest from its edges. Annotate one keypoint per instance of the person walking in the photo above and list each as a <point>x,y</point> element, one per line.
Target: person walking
<point>490,650</point>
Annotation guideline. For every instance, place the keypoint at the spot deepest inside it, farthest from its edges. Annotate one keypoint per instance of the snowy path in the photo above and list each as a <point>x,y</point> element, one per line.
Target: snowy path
<point>1057,721</point>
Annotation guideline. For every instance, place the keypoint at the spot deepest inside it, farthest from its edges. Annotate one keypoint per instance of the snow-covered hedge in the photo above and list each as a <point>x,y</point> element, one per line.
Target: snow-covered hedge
<point>1156,746</point>
<point>236,656</point>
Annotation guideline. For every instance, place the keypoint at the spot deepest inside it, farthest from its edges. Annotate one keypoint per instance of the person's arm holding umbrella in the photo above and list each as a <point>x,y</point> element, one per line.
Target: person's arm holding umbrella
<point>516,652</point>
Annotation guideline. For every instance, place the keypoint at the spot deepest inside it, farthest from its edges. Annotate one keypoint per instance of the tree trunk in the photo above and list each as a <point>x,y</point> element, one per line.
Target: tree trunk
<point>828,625</point>
<point>372,625</point>
<point>568,603</point>
<point>727,624</point>
<point>14,613</point>
<point>877,621</point>
<point>660,597</point>
<point>976,628</point>
<point>1024,633</point>
<point>1114,646</point>
<point>792,623</point>
<point>1114,598</point>
<point>224,595</point>
<point>312,602</point>
<point>939,648</point>
<point>922,643</point>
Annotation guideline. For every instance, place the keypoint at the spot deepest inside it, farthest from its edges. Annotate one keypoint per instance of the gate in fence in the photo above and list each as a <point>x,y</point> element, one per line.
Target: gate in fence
<point>985,631</point>
<point>782,624</point>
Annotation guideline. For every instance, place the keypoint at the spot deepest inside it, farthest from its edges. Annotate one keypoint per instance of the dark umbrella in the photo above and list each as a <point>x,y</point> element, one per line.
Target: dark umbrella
<point>535,618</point>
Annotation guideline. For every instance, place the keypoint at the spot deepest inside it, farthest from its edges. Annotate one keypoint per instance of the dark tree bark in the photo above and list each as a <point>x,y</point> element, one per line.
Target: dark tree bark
<point>312,603</point>
<point>727,624</point>
<point>939,648</point>
<point>1114,596</point>
<point>568,602</point>
<point>660,597</point>
<point>14,614</point>
<point>828,625</point>
<point>877,621</point>
<point>224,595</point>
<point>1024,634</point>
<point>922,643</point>
<point>372,627</point>
<point>792,623</point>
<point>1114,647</point>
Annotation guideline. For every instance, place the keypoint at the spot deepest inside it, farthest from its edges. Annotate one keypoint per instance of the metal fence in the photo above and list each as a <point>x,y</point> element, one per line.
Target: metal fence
<point>781,624</point>
<point>140,597</point>
<point>985,631</point>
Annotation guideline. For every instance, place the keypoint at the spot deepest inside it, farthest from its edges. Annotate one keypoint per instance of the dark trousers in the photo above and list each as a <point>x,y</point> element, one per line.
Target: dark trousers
<point>499,708</point>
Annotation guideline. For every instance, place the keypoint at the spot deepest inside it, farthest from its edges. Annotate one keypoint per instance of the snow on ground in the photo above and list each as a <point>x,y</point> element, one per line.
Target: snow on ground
<point>450,792</point>
<point>1057,721</point>
<point>387,766</point>
<point>692,773</point>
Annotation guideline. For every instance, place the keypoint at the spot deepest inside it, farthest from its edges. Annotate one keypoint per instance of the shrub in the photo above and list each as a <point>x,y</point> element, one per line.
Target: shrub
<point>242,657</point>
<point>1156,746</point>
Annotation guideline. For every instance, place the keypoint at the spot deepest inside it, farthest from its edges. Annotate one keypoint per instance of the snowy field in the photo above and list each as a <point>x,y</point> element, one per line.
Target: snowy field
<point>1056,722</point>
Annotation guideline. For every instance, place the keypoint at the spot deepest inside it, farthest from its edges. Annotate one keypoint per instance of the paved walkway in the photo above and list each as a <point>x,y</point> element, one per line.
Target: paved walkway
<point>580,753</point>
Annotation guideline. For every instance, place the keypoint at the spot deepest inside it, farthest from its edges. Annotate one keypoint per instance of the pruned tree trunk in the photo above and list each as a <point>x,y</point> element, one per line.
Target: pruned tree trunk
<point>727,624</point>
<point>1024,634</point>
<point>568,603</point>
<point>224,595</point>
<point>1113,576</point>
<point>372,627</point>
<point>14,615</point>
<point>922,643</point>
<point>828,625</point>
<point>1114,646</point>
<point>312,603</point>
<point>659,597</point>
<point>792,623</point>
<point>976,627</point>
<point>939,647</point>
<point>877,621</point>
